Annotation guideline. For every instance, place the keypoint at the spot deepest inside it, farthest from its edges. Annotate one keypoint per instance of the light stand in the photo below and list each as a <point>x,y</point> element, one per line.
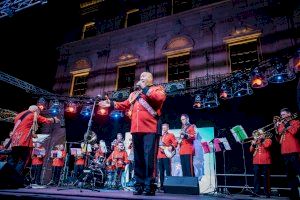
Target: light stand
<point>246,186</point>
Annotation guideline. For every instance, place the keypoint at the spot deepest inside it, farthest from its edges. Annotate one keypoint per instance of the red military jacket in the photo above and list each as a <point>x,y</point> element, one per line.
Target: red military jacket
<point>141,120</point>
<point>262,153</point>
<point>79,160</point>
<point>187,145</point>
<point>167,140</point>
<point>59,162</point>
<point>21,135</point>
<point>290,142</point>
<point>99,153</point>
<point>119,158</point>
<point>37,160</point>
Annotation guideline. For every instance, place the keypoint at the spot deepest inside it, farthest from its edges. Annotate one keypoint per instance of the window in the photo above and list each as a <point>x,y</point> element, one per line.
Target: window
<point>79,84</point>
<point>89,30</point>
<point>126,76</point>
<point>132,18</point>
<point>243,46</point>
<point>178,67</point>
<point>181,5</point>
<point>243,56</point>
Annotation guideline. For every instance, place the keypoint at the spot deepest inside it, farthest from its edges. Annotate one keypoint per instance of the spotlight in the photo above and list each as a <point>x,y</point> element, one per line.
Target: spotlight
<point>225,92</point>
<point>116,114</point>
<point>71,107</point>
<point>41,104</point>
<point>102,111</point>
<point>55,108</point>
<point>258,80</point>
<point>241,85</point>
<point>211,99</point>
<point>280,73</point>
<point>86,110</point>
<point>198,104</point>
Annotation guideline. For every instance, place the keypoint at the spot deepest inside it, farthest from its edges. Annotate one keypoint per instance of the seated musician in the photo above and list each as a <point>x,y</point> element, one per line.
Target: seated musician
<point>288,134</point>
<point>119,158</point>
<point>186,145</point>
<point>100,154</point>
<point>58,155</point>
<point>79,165</point>
<point>167,142</point>
<point>114,144</point>
<point>260,147</point>
<point>37,156</point>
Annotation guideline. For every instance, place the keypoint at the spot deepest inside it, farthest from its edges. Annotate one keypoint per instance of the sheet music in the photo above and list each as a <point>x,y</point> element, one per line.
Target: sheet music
<point>39,152</point>
<point>56,154</point>
<point>40,138</point>
<point>225,143</point>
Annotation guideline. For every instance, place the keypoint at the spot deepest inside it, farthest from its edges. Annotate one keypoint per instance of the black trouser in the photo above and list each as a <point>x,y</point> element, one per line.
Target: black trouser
<point>78,169</point>
<point>164,165</point>
<point>19,158</point>
<point>56,174</point>
<point>292,165</point>
<point>36,171</point>
<point>258,171</point>
<point>187,165</point>
<point>145,152</point>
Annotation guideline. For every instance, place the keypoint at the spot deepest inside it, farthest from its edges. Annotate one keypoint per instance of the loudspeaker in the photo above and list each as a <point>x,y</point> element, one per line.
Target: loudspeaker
<point>181,185</point>
<point>9,177</point>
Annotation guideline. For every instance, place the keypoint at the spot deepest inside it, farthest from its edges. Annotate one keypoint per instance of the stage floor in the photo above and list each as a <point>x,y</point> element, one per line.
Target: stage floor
<point>84,194</point>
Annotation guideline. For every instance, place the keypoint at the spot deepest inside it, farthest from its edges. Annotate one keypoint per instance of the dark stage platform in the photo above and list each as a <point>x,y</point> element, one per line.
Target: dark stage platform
<point>54,193</point>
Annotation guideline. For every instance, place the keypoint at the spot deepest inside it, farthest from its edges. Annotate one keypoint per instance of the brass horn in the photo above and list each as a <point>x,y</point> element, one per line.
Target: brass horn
<point>90,137</point>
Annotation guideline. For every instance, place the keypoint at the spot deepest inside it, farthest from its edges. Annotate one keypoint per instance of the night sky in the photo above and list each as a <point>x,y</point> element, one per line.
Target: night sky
<point>28,41</point>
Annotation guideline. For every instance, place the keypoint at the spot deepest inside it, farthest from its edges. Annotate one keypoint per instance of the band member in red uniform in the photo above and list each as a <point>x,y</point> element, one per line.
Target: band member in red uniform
<point>23,132</point>
<point>79,165</point>
<point>145,104</point>
<point>288,136</point>
<point>58,156</point>
<point>260,147</point>
<point>186,144</point>
<point>119,158</point>
<point>114,144</point>
<point>167,141</point>
<point>100,154</point>
<point>37,161</point>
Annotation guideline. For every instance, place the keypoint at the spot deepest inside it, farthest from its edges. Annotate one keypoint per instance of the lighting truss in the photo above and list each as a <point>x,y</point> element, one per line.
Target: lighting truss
<point>10,7</point>
<point>7,115</point>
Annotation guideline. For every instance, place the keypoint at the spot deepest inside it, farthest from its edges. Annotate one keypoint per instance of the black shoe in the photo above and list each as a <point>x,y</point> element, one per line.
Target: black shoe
<point>150,191</point>
<point>138,190</point>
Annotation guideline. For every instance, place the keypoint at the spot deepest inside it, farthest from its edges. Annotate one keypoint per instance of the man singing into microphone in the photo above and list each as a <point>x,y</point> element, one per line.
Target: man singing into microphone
<point>145,105</point>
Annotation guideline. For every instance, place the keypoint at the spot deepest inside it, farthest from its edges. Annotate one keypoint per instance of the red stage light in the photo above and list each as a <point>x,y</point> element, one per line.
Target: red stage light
<point>41,107</point>
<point>102,111</point>
<point>223,95</point>
<point>257,82</point>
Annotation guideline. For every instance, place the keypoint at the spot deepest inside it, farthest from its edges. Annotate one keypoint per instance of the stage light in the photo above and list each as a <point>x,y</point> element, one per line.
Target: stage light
<point>280,73</point>
<point>116,114</point>
<point>55,108</point>
<point>71,107</point>
<point>41,104</point>
<point>258,79</point>
<point>86,110</point>
<point>225,92</point>
<point>102,111</point>
<point>241,85</point>
<point>198,103</point>
<point>211,99</point>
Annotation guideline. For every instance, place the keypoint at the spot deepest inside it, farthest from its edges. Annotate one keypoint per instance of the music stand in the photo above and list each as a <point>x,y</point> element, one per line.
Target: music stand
<point>209,149</point>
<point>240,135</point>
<point>224,145</point>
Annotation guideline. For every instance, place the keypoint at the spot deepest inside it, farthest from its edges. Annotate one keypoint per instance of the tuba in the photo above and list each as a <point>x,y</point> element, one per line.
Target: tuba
<point>90,137</point>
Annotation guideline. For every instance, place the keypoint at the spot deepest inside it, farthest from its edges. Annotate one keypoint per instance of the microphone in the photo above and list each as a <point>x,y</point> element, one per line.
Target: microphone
<point>138,85</point>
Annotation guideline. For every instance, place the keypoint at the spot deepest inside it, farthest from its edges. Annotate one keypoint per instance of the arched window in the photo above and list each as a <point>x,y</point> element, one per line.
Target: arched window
<point>126,70</point>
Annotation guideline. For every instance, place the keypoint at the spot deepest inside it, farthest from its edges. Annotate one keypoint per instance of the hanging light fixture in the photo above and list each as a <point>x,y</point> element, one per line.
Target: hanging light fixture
<point>280,73</point>
<point>241,86</point>
<point>55,108</point>
<point>198,103</point>
<point>71,107</point>
<point>42,104</point>
<point>211,99</point>
<point>258,79</point>
<point>86,110</point>
<point>226,91</point>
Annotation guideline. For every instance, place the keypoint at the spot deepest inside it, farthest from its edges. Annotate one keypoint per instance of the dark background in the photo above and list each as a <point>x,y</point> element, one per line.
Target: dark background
<point>28,51</point>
